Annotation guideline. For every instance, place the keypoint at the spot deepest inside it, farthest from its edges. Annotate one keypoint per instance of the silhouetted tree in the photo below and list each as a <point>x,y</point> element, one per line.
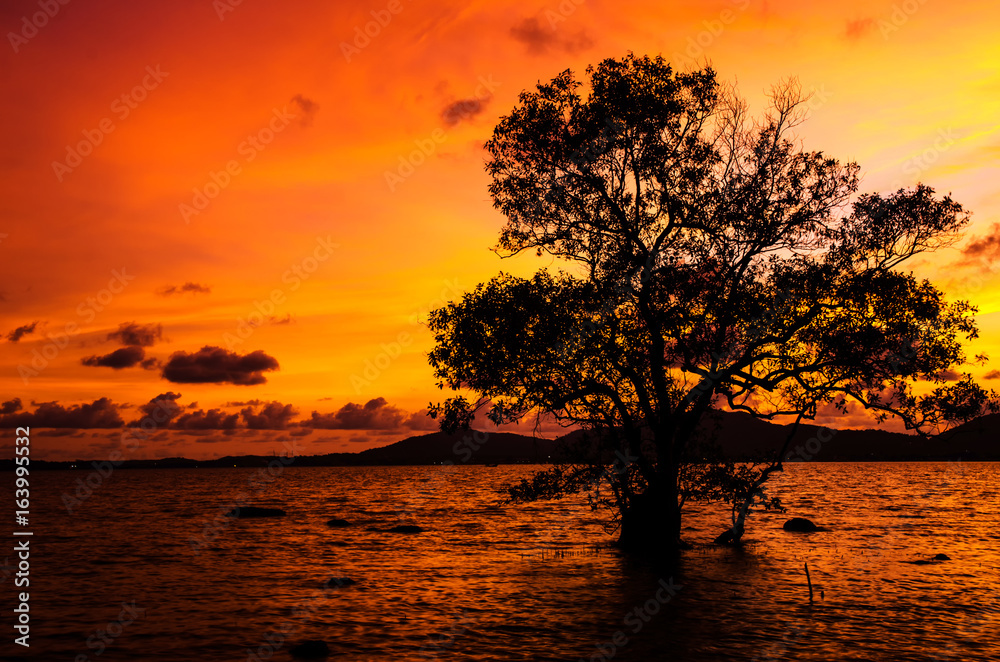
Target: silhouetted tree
<point>717,264</point>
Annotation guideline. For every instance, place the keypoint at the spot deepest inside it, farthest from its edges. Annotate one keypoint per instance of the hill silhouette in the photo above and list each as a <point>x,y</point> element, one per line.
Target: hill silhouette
<point>739,436</point>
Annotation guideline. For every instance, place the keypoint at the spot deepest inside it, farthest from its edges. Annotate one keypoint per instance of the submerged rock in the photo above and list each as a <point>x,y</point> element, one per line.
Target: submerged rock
<point>337,522</point>
<point>335,582</point>
<point>310,649</point>
<point>406,528</point>
<point>800,525</point>
<point>253,511</point>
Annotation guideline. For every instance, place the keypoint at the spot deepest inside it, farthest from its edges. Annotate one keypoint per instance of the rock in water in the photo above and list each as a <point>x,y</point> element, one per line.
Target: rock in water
<point>800,525</point>
<point>942,557</point>
<point>253,511</point>
<point>406,528</point>
<point>725,538</point>
<point>337,522</point>
<point>310,649</point>
<point>334,582</point>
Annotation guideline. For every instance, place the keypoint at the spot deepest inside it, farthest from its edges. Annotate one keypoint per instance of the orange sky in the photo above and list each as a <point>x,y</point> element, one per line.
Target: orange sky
<point>309,118</point>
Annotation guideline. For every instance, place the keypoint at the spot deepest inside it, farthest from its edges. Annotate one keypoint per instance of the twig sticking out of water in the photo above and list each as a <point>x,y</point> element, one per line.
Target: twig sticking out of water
<point>810,584</point>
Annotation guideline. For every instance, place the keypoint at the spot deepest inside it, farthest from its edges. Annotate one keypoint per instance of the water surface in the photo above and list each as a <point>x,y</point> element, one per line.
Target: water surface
<point>486,582</point>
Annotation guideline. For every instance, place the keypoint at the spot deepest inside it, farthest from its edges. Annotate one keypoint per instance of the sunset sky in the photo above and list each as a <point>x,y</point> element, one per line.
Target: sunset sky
<point>265,179</point>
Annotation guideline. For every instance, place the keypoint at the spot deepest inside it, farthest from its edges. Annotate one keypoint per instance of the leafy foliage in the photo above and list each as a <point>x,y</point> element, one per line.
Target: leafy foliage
<point>710,261</point>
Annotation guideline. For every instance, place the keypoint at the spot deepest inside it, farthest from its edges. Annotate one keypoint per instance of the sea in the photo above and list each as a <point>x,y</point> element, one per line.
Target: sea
<point>148,567</point>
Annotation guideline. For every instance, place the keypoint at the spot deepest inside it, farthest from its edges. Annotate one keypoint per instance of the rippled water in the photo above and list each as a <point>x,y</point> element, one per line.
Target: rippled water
<point>485,582</point>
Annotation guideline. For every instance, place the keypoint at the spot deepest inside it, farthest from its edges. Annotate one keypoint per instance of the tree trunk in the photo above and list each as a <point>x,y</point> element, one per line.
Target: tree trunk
<point>652,523</point>
<point>739,520</point>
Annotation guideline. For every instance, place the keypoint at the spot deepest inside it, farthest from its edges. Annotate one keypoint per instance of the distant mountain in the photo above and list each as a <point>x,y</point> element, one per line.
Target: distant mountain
<point>472,447</point>
<point>738,435</point>
<point>741,435</point>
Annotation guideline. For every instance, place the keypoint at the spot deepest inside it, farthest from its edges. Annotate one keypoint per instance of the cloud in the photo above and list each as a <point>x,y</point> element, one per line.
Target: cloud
<point>983,249</point>
<point>376,414</point>
<point>213,419</point>
<point>192,288</point>
<point>126,357</point>
<point>463,109</point>
<point>101,413</point>
<point>272,320</point>
<point>272,416</point>
<point>858,28</point>
<point>540,40</point>
<point>130,333</point>
<point>161,409</point>
<point>218,366</point>
<point>21,331</point>
<point>11,406</point>
<point>419,420</point>
<point>949,375</point>
<point>307,109</point>
<point>212,439</point>
<point>992,374</point>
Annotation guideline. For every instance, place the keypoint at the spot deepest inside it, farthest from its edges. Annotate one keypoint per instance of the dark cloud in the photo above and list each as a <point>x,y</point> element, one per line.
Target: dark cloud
<point>162,409</point>
<point>245,403</point>
<point>992,374</point>
<point>858,28</point>
<point>213,439</point>
<point>213,419</point>
<point>419,420</point>
<point>983,249</point>
<point>192,288</point>
<point>21,331</point>
<point>101,413</point>
<point>306,109</point>
<point>272,320</point>
<point>126,357</point>
<point>11,406</point>
<point>144,335</point>
<point>216,365</point>
<point>272,416</point>
<point>949,375</point>
<point>946,375</point>
<point>376,414</point>
<point>464,109</point>
<point>540,39</point>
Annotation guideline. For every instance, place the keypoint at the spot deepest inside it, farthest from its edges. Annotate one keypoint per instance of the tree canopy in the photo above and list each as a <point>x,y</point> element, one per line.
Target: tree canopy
<point>710,261</point>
